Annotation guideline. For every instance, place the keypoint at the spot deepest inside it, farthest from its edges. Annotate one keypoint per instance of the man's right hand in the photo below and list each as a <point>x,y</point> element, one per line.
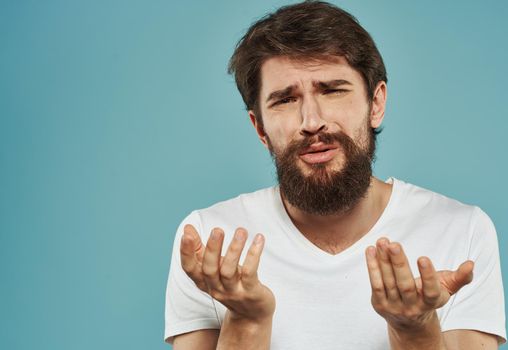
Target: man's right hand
<point>235,286</point>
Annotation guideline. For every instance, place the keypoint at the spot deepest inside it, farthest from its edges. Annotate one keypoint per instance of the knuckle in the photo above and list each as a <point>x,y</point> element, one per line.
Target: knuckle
<point>391,286</point>
<point>252,252</point>
<point>246,271</point>
<point>399,264</point>
<point>235,247</point>
<point>209,271</point>
<point>227,273</point>
<point>405,288</point>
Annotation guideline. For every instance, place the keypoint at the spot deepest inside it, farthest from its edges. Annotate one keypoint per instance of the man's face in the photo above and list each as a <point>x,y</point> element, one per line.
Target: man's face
<point>317,127</point>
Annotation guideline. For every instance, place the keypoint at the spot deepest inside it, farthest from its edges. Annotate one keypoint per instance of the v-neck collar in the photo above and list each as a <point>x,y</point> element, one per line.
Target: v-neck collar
<point>295,234</point>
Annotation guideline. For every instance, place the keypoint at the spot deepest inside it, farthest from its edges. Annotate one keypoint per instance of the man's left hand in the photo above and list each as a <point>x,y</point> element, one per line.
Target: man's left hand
<point>406,303</point>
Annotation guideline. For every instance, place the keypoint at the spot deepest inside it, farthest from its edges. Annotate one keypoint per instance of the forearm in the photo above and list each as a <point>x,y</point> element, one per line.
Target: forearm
<point>245,334</point>
<point>428,337</point>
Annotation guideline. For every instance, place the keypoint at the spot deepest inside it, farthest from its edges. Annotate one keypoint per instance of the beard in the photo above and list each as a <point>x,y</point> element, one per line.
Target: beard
<point>325,191</point>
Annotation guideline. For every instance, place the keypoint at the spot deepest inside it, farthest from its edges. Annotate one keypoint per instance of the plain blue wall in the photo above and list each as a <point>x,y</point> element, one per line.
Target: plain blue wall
<point>117,118</point>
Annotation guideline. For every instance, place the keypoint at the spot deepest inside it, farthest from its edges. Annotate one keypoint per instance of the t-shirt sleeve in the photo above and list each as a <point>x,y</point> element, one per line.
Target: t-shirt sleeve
<point>480,304</point>
<point>187,307</point>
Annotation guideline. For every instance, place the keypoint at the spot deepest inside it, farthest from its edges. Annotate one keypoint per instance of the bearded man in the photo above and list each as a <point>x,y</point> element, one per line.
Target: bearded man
<point>348,261</point>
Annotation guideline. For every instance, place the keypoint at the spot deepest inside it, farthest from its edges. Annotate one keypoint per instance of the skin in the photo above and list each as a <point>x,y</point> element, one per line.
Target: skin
<point>407,304</point>
<point>308,111</point>
<point>251,305</point>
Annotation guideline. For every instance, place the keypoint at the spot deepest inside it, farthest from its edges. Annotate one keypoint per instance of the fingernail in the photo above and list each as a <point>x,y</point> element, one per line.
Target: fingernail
<point>258,239</point>
<point>371,251</point>
<point>394,249</point>
<point>239,235</point>
<point>215,234</point>
<point>424,263</point>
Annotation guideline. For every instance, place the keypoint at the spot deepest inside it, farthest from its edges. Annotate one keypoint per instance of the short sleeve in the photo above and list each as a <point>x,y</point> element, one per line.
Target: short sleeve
<point>187,307</point>
<point>480,304</point>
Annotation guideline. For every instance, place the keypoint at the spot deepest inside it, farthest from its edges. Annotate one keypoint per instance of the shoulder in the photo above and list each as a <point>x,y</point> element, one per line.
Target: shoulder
<point>240,211</point>
<point>426,204</point>
<point>245,202</point>
<point>431,214</point>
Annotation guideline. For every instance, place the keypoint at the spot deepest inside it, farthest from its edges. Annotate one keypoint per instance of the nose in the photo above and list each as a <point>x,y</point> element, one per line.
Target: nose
<point>312,122</point>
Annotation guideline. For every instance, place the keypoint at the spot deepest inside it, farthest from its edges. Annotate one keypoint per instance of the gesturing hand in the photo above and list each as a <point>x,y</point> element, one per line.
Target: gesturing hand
<point>236,286</point>
<point>405,302</point>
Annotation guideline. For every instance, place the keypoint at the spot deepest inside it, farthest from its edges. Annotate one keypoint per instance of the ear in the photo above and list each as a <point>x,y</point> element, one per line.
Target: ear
<point>378,105</point>
<point>259,128</point>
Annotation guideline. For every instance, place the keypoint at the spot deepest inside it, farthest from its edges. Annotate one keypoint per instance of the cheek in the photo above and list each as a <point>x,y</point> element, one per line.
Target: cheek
<point>348,116</point>
<point>280,134</point>
<point>277,141</point>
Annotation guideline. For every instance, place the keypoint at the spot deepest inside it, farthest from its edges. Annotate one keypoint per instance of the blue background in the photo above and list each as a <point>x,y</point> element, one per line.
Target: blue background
<point>117,118</point>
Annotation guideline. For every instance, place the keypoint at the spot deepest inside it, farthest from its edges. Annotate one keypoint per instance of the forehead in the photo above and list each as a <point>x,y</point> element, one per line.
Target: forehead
<point>280,72</point>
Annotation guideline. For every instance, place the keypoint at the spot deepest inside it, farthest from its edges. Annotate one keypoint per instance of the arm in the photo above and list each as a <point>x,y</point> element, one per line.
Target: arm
<point>245,334</point>
<point>431,337</point>
<point>233,335</point>
<point>203,339</point>
<point>462,339</point>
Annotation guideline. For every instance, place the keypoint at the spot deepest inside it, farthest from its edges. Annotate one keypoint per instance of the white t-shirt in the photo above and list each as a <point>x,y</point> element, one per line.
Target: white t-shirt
<point>323,300</point>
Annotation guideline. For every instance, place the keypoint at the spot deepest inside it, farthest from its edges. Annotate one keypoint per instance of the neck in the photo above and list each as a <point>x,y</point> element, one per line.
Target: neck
<point>336,232</point>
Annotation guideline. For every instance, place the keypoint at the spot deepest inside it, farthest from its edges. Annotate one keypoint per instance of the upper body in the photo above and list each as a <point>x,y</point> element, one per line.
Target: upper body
<point>315,88</point>
<point>323,299</point>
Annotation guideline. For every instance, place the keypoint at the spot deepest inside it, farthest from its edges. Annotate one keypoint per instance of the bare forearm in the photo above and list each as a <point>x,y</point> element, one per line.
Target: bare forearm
<point>245,334</point>
<point>429,337</point>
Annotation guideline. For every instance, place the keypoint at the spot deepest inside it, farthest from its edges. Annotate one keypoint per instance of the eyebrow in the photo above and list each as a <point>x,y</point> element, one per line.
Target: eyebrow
<point>280,94</point>
<point>330,84</point>
<point>321,85</point>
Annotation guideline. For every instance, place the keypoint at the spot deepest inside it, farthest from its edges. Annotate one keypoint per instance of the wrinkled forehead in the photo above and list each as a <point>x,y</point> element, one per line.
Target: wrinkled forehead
<point>279,72</point>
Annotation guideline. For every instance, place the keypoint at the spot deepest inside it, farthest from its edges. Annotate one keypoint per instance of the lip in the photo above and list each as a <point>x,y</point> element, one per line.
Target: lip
<point>318,147</point>
<point>319,154</point>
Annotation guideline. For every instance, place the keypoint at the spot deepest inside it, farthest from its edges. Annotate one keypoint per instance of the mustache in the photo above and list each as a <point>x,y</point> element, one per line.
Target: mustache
<point>297,146</point>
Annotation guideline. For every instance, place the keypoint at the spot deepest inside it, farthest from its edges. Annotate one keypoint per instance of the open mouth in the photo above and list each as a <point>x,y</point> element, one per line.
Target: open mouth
<point>320,155</point>
<point>319,151</point>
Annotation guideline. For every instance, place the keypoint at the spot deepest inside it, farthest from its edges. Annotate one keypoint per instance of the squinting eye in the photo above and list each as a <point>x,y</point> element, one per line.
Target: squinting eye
<point>285,100</point>
<point>332,91</point>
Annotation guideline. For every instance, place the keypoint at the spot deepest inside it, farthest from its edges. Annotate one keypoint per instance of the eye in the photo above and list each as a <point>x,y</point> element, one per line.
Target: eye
<point>285,100</point>
<point>334,91</point>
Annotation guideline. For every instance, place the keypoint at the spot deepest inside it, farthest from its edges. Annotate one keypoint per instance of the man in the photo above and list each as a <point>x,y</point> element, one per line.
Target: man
<point>343,260</point>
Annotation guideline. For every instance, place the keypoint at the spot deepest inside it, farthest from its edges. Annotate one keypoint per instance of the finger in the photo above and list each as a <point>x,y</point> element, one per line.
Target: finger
<point>251,263</point>
<point>229,273</point>
<point>211,260</point>
<point>465,272</point>
<point>403,275</point>
<point>375,276</point>
<point>418,282</point>
<point>431,288</point>
<point>191,255</point>
<point>385,265</point>
<point>462,276</point>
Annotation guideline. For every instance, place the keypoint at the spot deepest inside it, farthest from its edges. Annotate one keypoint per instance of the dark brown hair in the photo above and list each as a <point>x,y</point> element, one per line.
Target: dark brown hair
<point>304,31</point>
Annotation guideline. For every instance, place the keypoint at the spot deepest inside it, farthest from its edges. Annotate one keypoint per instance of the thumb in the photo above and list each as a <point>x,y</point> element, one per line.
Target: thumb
<point>465,272</point>
<point>192,242</point>
<point>462,276</point>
